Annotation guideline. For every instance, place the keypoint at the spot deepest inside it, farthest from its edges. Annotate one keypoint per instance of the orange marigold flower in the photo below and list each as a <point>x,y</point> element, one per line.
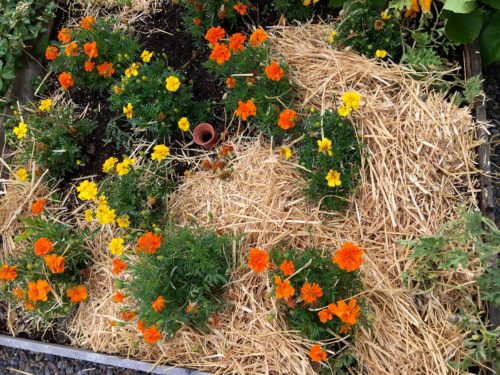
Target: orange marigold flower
<point>43,246</point>
<point>317,354</point>
<point>284,289</point>
<point>37,291</point>
<point>118,297</point>
<point>258,37</point>
<point>214,34</point>
<point>236,42</point>
<point>220,53</point>
<point>196,21</point>
<point>86,23</point>
<point>30,306</point>
<point>258,260</point>
<point>349,257</point>
<point>128,315</point>
<point>246,110</point>
<point>106,69</point>
<point>151,335</point>
<point>140,325</point>
<point>118,266</point>
<point>71,49</point>
<point>77,294</point>
<point>149,242</point>
<point>51,52</point>
<point>310,292</point>
<point>241,8</point>
<point>412,9</point>
<point>55,263</point>
<point>8,273</point>
<point>89,66</point>
<point>348,313</point>
<point>90,49</point>
<point>345,328</point>
<point>231,83</point>
<point>38,206</point>
<point>18,293</point>
<point>274,72</point>
<point>64,35</point>
<point>325,315</point>
<point>287,119</point>
<point>287,267</point>
<point>66,80</point>
<point>158,304</point>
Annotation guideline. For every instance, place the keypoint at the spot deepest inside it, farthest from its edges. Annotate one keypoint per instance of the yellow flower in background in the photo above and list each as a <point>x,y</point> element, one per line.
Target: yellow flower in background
<point>285,152</point>
<point>333,178</point>
<point>87,190</point>
<point>89,216</point>
<point>351,99</point>
<point>22,174</point>
<point>104,214</point>
<point>325,145</point>
<point>109,164</point>
<point>184,124</point>
<point>384,15</point>
<point>123,221</point>
<point>381,53</point>
<point>132,70</point>
<point>333,34</point>
<point>172,83</point>
<point>45,105</point>
<point>117,90</point>
<point>20,130</point>
<point>146,56</point>
<point>306,3</point>
<point>160,152</point>
<point>128,110</point>
<point>78,162</point>
<point>344,111</point>
<point>116,246</point>
<point>123,167</point>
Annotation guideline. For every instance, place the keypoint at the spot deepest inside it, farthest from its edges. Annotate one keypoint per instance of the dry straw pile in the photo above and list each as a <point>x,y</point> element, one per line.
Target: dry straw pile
<point>418,167</point>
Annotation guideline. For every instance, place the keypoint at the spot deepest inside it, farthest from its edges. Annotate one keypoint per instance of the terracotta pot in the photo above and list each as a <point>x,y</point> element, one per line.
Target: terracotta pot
<point>204,135</point>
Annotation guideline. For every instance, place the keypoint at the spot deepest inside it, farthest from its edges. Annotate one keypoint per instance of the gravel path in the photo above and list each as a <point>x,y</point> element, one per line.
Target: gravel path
<point>16,362</point>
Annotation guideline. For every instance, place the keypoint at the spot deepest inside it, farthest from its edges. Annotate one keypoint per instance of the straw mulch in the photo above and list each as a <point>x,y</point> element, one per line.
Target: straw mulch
<point>418,167</point>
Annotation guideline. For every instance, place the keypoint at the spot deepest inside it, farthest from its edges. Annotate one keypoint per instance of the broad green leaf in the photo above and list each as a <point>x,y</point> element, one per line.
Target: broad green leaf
<point>460,6</point>
<point>492,3</point>
<point>490,40</point>
<point>463,28</point>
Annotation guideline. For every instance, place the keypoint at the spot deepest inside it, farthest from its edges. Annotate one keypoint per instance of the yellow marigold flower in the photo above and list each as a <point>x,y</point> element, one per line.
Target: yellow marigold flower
<point>128,110</point>
<point>123,167</point>
<point>381,53</point>
<point>116,246</point>
<point>384,15</point>
<point>333,178</point>
<point>325,145</point>
<point>89,216</point>
<point>87,190</point>
<point>45,105</point>
<point>104,214</point>
<point>160,152</point>
<point>22,174</point>
<point>306,3</point>
<point>132,70</point>
<point>123,221</point>
<point>333,34</point>
<point>351,99</point>
<point>344,111</point>
<point>78,162</point>
<point>20,130</point>
<point>184,124</point>
<point>109,164</point>
<point>285,152</point>
<point>117,89</point>
<point>146,56</point>
<point>172,83</point>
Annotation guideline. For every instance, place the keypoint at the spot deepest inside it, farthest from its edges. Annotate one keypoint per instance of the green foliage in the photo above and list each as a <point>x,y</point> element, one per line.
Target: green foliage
<point>471,88</point>
<point>345,159</point>
<point>191,268</point>
<point>490,38</point>
<point>295,9</point>
<point>154,107</point>
<point>113,46</point>
<point>57,140</point>
<point>20,22</point>
<point>422,55</point>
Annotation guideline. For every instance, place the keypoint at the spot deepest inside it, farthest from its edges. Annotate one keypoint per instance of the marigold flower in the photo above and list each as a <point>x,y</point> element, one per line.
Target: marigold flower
<point>66,80</point>
<point>258,37</point>
<point>184,124</point>
<point>123,221</point>
<point>55,263</point>
<point>88,216</point>
<point>325,145</point>
<point>236,42</point>
<point>90,48</point>
<point>116,246</point>
<point>129,110</point>
<point>284,289</point>
<point>333,178</point>
<point>86,23</point>
<point>349,257</point>
<point>344,111</point>
<point>378,25</point>
<point>71,49</point>
<point>43,246</point>
<point>118,266</point>
<point>274,72</point>
<point>258,260</point>
<point>287,267</point>
<point>104,214</point>
<point>287,119</point>
<point>214,34</point>
<point>18,293</point>
<point>51,53</point>
<point>220,53</point>
<point>158,304</point>
<point>285,152</point>
<point>77,294</point>
<point>117,89</point>
<point>128,315</point>
<point>146,56</point>
<point>38,206</point>
<point>384,15</point>
<point>381,53</point>
<point>345,328</point>
<point>45,105</point>
<point>351,99</point>
<point>149,242</point>
<point>333,34</point>
<point>109,164</point>
<point>160,152</point>
<point>118,297</point>
<point>132,70</point>
<point>28,305</point>
<point>325,315</point>
<point>151,334</point>
<point>310,292</point>
<point>22,174</point>
<point>246,110</point>
<point>412,10</point>
<point>426,5</point>
<point>64,35</point>
<point>8,273</point>
<point>196,21</point>
<point>89,66</point>
<point>241,8</point>
<point>124,167</point>
<point>87,190</point>
<point>106,69</point>
<point>317,354</point>
<point>231,83</point>
<point>172,83</point>
<point>348,313</point>
<point>20,130</point>
<point>37,291</point>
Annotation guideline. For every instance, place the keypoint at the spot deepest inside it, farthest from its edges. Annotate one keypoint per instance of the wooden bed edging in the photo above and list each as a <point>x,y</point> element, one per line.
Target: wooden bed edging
<point>85,355</point>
